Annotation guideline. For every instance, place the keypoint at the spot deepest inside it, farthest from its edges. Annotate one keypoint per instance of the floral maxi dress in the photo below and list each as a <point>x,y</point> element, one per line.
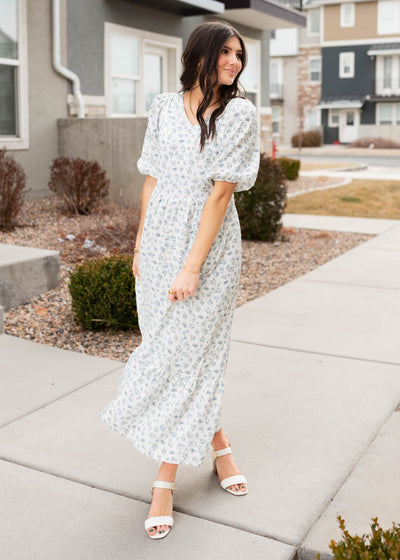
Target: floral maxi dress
<point>170,394</point>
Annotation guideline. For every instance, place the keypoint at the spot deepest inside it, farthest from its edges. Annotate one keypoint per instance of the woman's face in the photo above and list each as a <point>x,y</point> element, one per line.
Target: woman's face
<point>229,62</point>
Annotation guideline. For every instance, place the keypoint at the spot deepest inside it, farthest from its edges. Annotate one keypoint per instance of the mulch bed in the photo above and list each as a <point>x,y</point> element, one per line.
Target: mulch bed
<point>48,318</point>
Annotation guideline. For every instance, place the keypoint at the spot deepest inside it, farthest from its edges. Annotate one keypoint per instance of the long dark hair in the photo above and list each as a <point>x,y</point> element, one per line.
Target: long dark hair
<point>206,41</point>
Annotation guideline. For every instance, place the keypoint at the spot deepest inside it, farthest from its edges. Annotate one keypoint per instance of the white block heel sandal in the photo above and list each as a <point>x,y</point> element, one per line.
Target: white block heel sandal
<point>235,479</point>
<point>160,519</point>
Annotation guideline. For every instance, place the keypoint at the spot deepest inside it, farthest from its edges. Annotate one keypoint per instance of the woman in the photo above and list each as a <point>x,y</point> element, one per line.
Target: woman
<point>201,145</point>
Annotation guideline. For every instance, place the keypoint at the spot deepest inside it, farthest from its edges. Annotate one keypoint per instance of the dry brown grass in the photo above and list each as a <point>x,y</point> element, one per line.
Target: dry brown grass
<point>361,198</point>
<point>314,165</point>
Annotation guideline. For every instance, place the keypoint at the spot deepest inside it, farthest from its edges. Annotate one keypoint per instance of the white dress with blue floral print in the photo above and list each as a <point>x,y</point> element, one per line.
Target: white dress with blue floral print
<point>170,395</point>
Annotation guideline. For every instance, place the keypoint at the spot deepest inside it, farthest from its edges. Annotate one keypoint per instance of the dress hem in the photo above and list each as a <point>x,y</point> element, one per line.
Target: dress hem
<point>142,450</point>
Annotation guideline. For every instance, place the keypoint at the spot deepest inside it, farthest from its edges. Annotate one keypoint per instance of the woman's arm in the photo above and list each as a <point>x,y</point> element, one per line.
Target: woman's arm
<point>213,215</point>
<point>148,187</point>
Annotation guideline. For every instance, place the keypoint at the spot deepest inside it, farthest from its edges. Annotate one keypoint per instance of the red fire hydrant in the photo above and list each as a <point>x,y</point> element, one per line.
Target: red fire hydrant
<point>274,150</point>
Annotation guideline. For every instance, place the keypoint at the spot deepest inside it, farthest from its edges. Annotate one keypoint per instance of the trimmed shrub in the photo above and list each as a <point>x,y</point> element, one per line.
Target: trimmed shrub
<point>290,167</point>
<point>81,184</point>
<point>375,143</point>
<point>260,209</point>
<point>103,293</point>
<point>12,185</point>
<point>380,544</point>
<point>309,139</point>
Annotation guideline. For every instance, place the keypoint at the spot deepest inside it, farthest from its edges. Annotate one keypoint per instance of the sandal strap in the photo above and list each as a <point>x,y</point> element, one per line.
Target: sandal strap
<point>236,479</point>
<point>221,452</point>
<point>158,520</point>
<point>163,484</point>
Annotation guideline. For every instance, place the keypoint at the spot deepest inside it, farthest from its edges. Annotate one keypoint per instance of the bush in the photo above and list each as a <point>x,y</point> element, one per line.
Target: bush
<point>103,293</point>
<point>290,167</point>
<point>375,143</point>
<point>12,185</point>
<point>81,184</point>
<point>380,544</point>
<point>260,209</point>
<point>309,139</point>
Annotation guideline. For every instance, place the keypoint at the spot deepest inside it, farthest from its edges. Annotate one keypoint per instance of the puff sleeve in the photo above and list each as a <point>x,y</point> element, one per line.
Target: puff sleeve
<point>147,164</point>
<point>238,159</point>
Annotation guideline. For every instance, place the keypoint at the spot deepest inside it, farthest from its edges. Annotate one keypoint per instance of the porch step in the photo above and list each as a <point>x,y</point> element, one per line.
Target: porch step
<point>26,272</point>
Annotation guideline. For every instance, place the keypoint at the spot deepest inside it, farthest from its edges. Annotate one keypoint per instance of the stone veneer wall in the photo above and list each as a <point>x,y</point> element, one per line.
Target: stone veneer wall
<point>309,93</point>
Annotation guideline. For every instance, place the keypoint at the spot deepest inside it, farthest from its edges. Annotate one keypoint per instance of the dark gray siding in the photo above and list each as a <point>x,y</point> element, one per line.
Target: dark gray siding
<point>368,113</point>
<point>364,72</point>
<point>330,133</point>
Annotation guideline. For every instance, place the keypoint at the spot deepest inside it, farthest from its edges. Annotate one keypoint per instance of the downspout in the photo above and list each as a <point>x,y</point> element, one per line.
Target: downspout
<point>76,84</point>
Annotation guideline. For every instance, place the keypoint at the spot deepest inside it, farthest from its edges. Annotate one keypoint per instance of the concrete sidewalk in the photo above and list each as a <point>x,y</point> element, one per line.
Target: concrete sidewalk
<point>311,392</point>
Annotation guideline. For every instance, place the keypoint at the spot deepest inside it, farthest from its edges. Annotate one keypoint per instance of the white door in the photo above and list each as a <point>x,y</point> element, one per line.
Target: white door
<point>349,121</point>
<point>154,73</point>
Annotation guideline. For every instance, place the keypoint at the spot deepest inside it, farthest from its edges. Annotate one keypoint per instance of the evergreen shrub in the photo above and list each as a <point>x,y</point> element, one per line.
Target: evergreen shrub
<point>81,184</point>
<point>290,167</point>
<point>309,139</point>
<point>260,209</point>
<point>12,185</point>
<point>379,545</point>
<point>103,293</point>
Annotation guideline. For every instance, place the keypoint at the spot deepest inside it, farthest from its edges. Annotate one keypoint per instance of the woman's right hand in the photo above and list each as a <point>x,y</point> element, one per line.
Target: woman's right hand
<point>135,266</point>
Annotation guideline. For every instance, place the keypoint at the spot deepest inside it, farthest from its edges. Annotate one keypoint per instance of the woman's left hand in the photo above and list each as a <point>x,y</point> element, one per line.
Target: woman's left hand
<point>184,284</point>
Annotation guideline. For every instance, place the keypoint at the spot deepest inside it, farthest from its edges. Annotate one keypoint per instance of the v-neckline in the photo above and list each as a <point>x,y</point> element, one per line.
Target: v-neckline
<point>185,114</point>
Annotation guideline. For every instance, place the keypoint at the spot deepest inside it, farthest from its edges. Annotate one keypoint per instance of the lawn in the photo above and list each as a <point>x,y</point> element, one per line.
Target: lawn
<point>361,198</point>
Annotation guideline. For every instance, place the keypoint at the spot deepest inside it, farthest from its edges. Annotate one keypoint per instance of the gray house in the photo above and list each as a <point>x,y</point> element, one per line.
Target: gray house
<point>77,76</point>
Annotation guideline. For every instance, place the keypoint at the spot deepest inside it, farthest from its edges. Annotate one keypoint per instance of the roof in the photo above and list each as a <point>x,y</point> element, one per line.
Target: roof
<point>342,102</point>
<point>385,48</point>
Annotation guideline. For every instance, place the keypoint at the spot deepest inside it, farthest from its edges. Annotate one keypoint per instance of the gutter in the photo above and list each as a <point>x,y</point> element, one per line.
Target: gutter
<point>76,84</point>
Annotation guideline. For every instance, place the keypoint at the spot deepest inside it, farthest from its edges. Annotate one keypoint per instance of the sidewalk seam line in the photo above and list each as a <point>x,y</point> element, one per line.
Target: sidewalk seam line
<point>137,499</point>
<point>315,352</point>
<point>348,475</point>
<point>346,284</point>
<point>45,405</point>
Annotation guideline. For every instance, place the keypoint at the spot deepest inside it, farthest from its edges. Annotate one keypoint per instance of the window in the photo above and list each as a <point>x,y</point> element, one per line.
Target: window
<point>315,69</point>
<point>388,16</point>
<point>139,66</point>
<point>275,79</point>
<point>346,65</point>
<point>313,21</point>
<point>313,119</point>
<point>347,15</point>
<point>276,119</point>
<point>333,118</point>
<point>387,71</point>
<point>13,75</point>
<point>250,77</point>
<point>272,34</point>
<point>388,113</point>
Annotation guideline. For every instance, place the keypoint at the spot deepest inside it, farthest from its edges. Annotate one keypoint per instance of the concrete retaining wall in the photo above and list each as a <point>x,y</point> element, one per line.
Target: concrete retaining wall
<point>26,272</point>
<point>115,144</point>
<point>386,131</point>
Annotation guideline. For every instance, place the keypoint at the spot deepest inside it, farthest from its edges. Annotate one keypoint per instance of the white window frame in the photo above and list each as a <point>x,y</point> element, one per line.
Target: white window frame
<point>309,30</point>
<point>279,82</point>
<point>257,91</point>
<point>395,19</point>
<point>351,20</point>
<point>320,69</point>
<point>147,40</point>
<point>331,122</point>
<point>278,120</point>
<point>20,141</point>
<point>307,119</point>
<point>395,109</point>
<point>342,63</point>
